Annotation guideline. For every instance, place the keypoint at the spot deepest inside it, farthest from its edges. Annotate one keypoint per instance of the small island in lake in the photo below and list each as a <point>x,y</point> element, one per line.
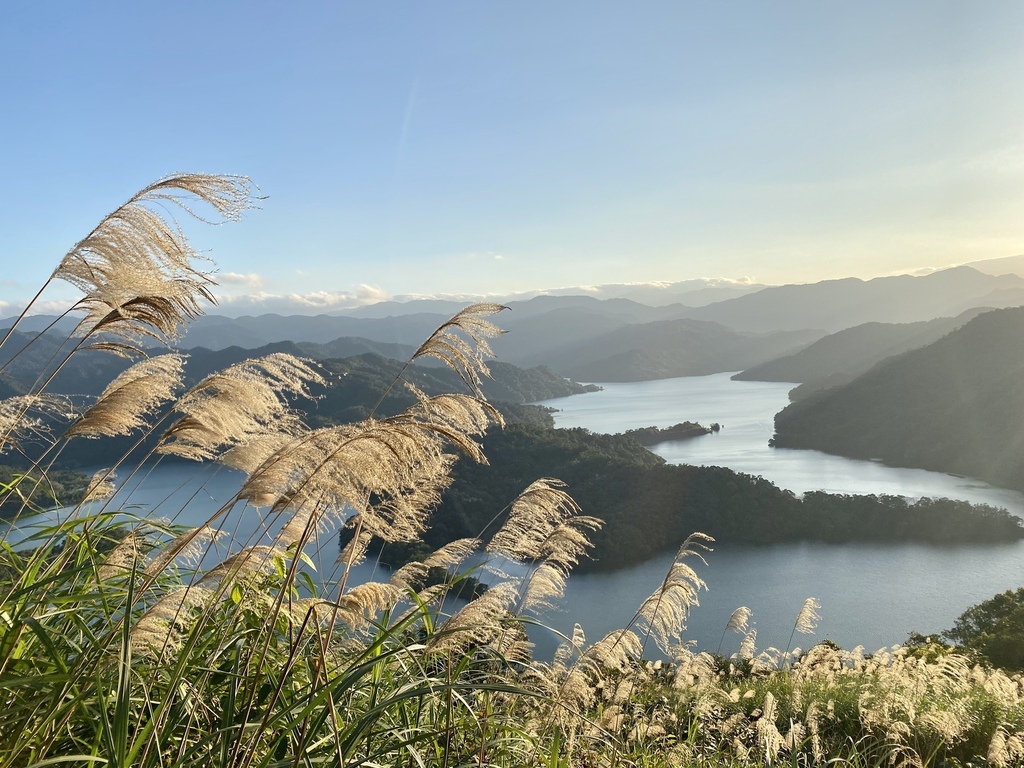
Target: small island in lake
<point>685,431</point>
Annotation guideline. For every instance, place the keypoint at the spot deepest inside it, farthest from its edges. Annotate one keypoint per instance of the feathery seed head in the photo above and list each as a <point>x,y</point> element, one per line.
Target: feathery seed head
<point>360,604</point>
<point>461,343</point>
<point>159,630</point>
<point>808,618</point>
<point>738,620</point>
<point>239,405</point>
<point>28,416</point>
<point>748,647</point>
<point>123,558</point>
<point>354,552</point>
<point>101,486</point>
<point>533,516</point>
<point>664,613</point>
<point>130,398</point>
<point>136,268</point>
<point>478,623</point>
<point>187,547</point>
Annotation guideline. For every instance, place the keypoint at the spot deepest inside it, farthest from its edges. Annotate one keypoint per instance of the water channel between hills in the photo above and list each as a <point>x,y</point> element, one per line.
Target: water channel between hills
<point>871,594</point>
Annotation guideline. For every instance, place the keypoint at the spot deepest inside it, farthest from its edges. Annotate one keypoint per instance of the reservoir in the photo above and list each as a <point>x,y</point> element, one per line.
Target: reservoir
<point>871,595</point>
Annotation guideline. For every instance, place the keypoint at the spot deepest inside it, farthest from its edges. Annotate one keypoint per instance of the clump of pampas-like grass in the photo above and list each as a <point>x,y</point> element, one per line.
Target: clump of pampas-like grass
<point>245,659</point>
<point>130,640</point>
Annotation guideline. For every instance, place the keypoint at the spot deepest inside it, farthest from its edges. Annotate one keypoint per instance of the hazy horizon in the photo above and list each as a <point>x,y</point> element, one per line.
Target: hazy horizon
<point>470,150</point>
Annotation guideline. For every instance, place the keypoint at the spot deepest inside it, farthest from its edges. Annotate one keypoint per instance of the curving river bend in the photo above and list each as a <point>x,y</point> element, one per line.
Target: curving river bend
<point>871,595</point>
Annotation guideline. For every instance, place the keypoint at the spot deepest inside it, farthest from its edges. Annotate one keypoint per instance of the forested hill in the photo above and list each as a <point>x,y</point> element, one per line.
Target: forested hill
<point>354,386</point>
<point>669,348</point>
<point>649,506</point>
<point>88,372</point>
<point>841,357</point>
<point>955,406</point>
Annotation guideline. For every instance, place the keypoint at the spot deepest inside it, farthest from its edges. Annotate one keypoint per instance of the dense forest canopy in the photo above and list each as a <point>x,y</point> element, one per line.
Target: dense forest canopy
<point>649,506</point>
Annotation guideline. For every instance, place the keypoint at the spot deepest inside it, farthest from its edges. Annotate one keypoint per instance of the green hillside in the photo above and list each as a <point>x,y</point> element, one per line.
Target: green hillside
<point>956,406</point>
<point>649,506</point>
<point>841,357</point>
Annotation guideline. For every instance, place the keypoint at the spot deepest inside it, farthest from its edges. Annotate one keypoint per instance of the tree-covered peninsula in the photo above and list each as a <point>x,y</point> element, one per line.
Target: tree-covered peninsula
<point>649,506</point>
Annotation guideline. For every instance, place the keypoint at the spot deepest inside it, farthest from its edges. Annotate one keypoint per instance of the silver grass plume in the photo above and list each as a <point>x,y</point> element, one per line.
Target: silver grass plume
<point>251,561</point>
<point>738,621</point>
<point>186,547</point>
<point>768,735</point>
<point>159,630</point>
<point>354,552</point>
<point>130,398</point>
<point>238,405</point>
<point>452,553</point>
<point>664,613</point>
<point>125,557</point>
<point>362,603</point>
<point>806,621</point>
<point>101,486</point>
<point>401,515</point>
<point>568,650</point>
<point>748,647</point>
<point>461,343</point>
<point>808,618</point>
<point>615,652</point>
<point>478,623</point>
<point>23,417</point>
<point>532,517</point>
<point>412,574</point>
<point>566,684</point>
<point>399,461</point>
<point>252,454</point>
<point>558,554</point>
<point>136,268</point>
<point>454,418</point>
<point>1006,748</point>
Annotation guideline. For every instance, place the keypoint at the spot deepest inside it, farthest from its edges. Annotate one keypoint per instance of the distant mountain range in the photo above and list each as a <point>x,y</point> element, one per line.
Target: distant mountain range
<point>841,357</point>
<point>621,339</point>
<point>956,405</point>
<point>669,348</point>
<point>691,293</point>
<point>1008,265</point>
<point>833,305</point>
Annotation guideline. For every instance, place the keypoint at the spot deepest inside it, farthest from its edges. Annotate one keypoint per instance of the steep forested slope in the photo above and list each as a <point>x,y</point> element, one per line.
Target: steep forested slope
<point>667,348</point>
<point>956,405</point>
<point>841,357</point>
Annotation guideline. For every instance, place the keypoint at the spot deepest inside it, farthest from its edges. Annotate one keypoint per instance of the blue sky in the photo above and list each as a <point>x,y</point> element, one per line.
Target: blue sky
<point>491,147</point>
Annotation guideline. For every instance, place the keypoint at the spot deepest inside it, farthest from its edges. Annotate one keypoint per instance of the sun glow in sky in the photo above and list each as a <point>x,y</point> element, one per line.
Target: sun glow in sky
<point>492,147</point>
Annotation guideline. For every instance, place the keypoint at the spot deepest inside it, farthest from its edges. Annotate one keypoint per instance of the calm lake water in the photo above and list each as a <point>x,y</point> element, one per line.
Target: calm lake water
<point>871,595</point>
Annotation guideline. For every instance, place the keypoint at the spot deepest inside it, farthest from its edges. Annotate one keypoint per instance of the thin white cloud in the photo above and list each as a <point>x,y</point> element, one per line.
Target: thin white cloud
<point>316,302</point>
<point>39,307</point>
<point>249,282</point>
<point>371,294</point>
